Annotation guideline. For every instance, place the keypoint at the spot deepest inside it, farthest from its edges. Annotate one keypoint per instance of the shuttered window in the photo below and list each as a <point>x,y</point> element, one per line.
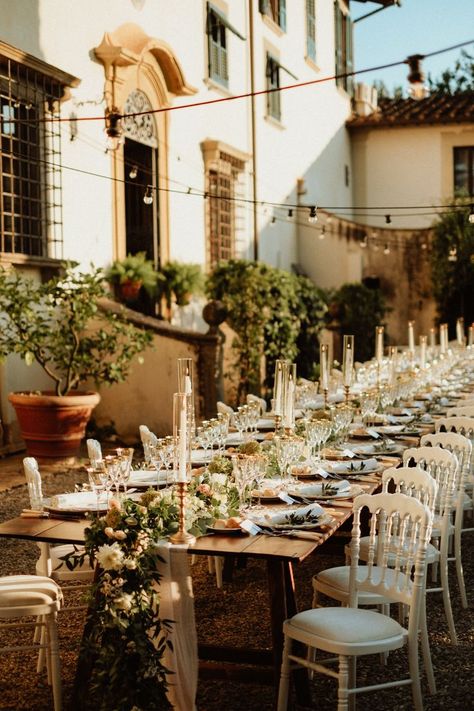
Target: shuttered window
<point>273,82</point>
<point>463,160</point>
<point>343,45</point>
<point>276,9</point>
<point>216,32</point>
<point>311,29</point>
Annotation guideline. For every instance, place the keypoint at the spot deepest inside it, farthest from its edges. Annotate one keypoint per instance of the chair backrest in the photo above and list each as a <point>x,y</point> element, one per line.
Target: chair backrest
<point>461,411</point>
<point>412,481</point>
<point>400,529</point>
<point>33,480</point>
<point>222,407</point>
<point>443,466</point>
<point>254,398</point>
<point>149,439</point>
<point>94,451</point>
<point>463,426</point>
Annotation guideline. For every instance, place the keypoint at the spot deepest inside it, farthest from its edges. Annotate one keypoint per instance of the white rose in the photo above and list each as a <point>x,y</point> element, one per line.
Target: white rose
<point>110,557</point>
<point>130,564</point>
<point>109,532</point>
<point>124,602</point>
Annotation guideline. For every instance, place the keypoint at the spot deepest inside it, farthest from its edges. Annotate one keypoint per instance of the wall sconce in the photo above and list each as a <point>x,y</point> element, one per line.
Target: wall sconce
<point>113,129</point>
<point>416,77</point>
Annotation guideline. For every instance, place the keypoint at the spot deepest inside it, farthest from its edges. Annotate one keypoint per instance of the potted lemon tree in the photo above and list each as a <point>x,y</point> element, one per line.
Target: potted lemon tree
<point>61,326</point>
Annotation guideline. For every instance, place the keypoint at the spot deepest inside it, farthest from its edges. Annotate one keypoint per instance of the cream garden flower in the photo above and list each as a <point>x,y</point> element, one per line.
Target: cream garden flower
<point>110,557</point>
<point>124,602</point>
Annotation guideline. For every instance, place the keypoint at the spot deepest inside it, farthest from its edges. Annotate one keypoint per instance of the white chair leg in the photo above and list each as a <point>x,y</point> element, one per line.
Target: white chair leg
<point>284,687</point>
<point>415,676</point>
<point>55,666</point>
<point>342,692</point>
<point>42,656</point>
<point>425,646</point>
<point>458,558</point>
<point>447,599</point>
<point>352,682</point>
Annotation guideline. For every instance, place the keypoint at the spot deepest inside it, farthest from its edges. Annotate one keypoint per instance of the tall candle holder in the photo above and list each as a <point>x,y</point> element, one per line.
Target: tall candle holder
<point>324,371</point>
<point>182,536</point>
<point>186,385</point>
<point>182,461</point>
<point>347,364</point>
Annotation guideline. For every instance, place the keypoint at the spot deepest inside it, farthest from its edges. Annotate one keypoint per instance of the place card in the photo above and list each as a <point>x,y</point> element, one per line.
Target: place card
<point>372,433</point>
<point>286,498</point>
<point>250,527</point>
<point>348,453</point>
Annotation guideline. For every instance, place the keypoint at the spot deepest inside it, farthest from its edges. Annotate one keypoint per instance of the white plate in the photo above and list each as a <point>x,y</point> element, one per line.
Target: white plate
<point>354,490</point>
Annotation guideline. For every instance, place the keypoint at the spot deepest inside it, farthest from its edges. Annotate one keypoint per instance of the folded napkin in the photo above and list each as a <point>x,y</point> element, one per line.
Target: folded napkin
<point>362,465</point>
<point>254,398</point>
<point>337,487</point>
<point>400,419</point>
<point>151,476</point>
<point>294,517</point>
<point>80,500</point>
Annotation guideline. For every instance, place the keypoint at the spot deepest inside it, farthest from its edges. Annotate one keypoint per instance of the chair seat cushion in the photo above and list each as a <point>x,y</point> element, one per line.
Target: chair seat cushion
<point>338,578</point>
<point>346,625</point>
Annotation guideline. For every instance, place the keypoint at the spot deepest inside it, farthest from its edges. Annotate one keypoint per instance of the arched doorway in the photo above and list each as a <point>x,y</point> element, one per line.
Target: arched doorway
<point>140,155</point>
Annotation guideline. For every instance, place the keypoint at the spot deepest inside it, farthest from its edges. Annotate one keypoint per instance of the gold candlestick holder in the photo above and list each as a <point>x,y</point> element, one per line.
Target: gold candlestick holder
<point>288,431</point>
<point>325,393</point>
<point>182,536</point>
<point>347,393</point>
<point>278,420</point>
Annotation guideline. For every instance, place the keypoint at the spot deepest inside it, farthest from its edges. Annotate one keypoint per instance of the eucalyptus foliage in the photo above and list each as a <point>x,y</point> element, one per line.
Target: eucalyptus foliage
<point>452,267</point>
<point>60,325</point>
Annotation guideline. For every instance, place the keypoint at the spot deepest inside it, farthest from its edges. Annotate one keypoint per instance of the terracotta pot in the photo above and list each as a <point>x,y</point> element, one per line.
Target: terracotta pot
<point>53,425</point>
<point>129,290</point>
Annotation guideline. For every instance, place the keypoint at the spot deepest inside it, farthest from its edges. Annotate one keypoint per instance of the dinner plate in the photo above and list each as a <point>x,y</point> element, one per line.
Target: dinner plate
<point>226,531</point>
<point>354,490</point>
<point>323,520</point>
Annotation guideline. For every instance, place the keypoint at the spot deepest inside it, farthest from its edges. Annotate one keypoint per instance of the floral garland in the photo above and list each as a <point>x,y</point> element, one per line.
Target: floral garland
<point>125,640</point>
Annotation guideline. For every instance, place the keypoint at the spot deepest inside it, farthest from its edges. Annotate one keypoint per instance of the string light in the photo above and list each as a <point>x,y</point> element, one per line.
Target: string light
<point>364,242</point>
<point>148,197</point>
<point>388,220</point>
<point>322,234</point>
<point>386,249</point>
<point>471,215</point>
<point>113,129</point>
<point>417,90</point>
<point>453,255</point>
<point>290,213</point>
<point>424,245</point>
<point>273,221</point>
<point>133,172</point>
<point>313,215</point>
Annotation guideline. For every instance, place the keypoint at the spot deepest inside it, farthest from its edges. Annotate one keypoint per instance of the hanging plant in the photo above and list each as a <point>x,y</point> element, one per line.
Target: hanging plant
<point>180,281</point>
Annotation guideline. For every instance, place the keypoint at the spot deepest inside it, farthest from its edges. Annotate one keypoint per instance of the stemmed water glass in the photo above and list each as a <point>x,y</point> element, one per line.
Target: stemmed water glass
<point>125,456</point>
<point>242,472</point>
<point>166,452</point>
<point>317,432</point>
<point>97,482</point>
<point>223,420</point>
<point>368,405</point>
<point>241,420</point>
<point>204,437</point>
<point>156,458</point>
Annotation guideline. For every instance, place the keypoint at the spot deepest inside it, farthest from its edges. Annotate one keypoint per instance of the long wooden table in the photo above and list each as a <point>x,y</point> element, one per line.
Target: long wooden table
<point>280,555</point>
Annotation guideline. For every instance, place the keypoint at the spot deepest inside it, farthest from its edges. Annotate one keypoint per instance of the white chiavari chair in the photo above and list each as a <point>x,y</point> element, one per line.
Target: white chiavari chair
<point>402,526</point>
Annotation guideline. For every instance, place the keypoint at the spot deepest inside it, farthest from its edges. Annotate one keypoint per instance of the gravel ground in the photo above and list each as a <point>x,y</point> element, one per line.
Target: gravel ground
<point>237,614</point>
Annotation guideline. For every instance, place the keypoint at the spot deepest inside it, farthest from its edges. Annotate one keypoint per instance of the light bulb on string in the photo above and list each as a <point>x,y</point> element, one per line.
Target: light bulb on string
<point>386,249</point>
<point>313,215</point>
<point>388,219</point>
<point>363,242</point>
<point>148,197</point>
<point>471,215</point>
<point>113,129</point>
<point>290,213</point>
<point>453,255</point>
<point>133,172</point>
<point>416,77</point>
<point>273,221</point>
<point>424,245</point>
<point>322,234</point>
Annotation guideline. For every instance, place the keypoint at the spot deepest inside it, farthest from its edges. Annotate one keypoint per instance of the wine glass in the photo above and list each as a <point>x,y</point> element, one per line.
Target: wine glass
<point>125,456</point>
<point>156,458</point>
<point>96,482</point>
<point>167,451</point>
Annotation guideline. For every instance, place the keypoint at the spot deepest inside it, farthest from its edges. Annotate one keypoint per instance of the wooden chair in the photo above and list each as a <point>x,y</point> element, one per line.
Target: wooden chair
<point>462,448</point>
<point>41,598</point>
<point>404,527</point>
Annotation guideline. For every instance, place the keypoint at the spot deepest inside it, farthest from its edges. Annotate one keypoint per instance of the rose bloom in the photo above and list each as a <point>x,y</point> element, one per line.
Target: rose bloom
<point>120,535</point>
<point>124,602</point>
<point>204,489</point>
<point>110,557</point>
<point>130,563</point>
<point>109,532</point>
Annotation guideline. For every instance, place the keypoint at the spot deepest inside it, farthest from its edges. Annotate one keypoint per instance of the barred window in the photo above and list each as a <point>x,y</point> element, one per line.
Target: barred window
<point>30,161</point>
<point>224,187</point>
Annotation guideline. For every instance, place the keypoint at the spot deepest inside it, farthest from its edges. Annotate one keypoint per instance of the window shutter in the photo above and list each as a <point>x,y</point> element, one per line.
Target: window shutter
<point>338,41</point>
<point>282,15</point>
<point>311,29</point>
<point>263,6</point>
<point>349,56</point>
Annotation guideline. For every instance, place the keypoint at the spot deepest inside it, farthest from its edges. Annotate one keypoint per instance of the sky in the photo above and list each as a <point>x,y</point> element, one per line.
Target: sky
<point>417,27</point>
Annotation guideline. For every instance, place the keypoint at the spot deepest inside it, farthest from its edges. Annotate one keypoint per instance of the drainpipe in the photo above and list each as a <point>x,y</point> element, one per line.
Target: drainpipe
<point>253,132</point>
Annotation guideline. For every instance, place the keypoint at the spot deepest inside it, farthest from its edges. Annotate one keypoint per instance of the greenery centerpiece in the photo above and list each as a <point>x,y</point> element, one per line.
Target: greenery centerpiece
<point>61,326</point>
<point>125,640</point>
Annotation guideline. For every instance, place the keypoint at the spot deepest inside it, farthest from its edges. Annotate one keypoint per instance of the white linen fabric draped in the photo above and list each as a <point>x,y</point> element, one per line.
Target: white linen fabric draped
<point>177,604</point>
